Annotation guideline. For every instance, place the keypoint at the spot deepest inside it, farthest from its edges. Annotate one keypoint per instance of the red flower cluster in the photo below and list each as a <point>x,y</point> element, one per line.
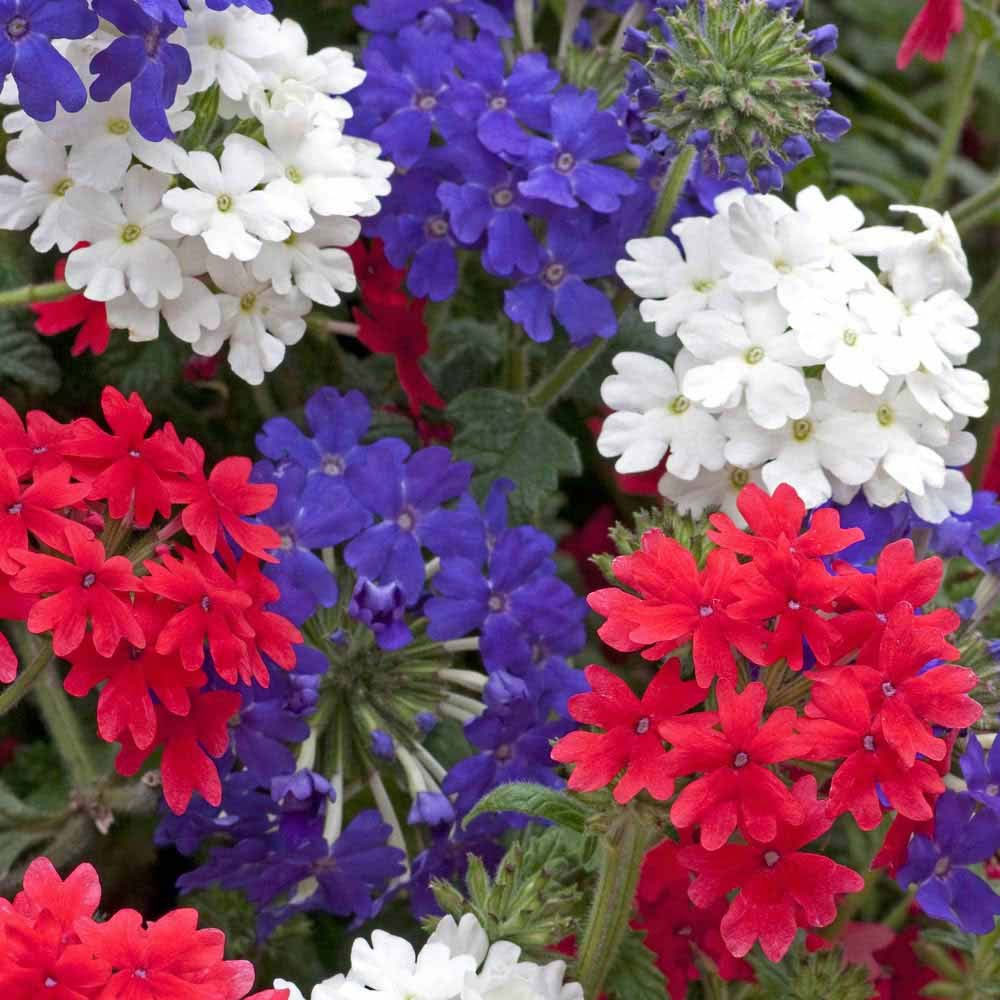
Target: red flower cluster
<point>879,691</point>
<point>50,946</point>
<point>140,626</point>
<point>393,323</point>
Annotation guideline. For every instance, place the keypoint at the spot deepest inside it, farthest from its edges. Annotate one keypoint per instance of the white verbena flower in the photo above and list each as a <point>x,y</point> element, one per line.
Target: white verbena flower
<point>41,197</point>
<point>805,453</point>
<point>709,491</point>
<point>225,209</point>
<point>131,241</point>
<point>652,415</point>
<point>754,356</point>
<point>225,46</point>
<point>257,322</point>
<point>928,262</point>
<point>673,288</point>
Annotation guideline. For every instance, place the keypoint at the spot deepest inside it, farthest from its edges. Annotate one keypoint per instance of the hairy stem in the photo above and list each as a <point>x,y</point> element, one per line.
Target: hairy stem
<point>23,683</point>
<point>623,851</point>
<point>64,729</point>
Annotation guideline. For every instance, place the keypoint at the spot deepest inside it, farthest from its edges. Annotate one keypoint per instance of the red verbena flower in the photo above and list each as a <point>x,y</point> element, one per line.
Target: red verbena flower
<point>134,676</point>
<point>166,959</point>
<point>931,31</point>
<point>869,598</point>
<point>211,610</point>
<point>82,590</point>
<point>33,508</point>
<point>222,500</point>
<point>129,470</point>
<point>781,888</point>
<point>779,517</point>
<point>678,604</point>
<point>908,695</point>
<point>735,787</point>
<point>842,727</point>
<point>67,900</point>
<point>36,445</point>
<point>189,743</point>
<point>794,591</point>
<point>378,280</point>
<point>398,328</point>
<point>631,739</point>
<point>75,310</point>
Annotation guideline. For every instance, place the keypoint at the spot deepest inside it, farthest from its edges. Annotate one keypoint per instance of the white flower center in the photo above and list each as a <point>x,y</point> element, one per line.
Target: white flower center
<point>131,233</point>
<point>294,175</point>
<point>754,355</point>
<point>884,415</point>
<point>216,42</point>
<point>850,338</point>
<point>738,478</point>
<point>119,126</point>
<point>62,187</point>
<point>679,404</point>
<point>703,285</point>
<point>224,203</point>
<point>248,301</point>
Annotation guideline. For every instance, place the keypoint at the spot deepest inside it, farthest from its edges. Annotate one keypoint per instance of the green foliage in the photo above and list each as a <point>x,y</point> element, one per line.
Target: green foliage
<point>634,976</point>
<point>803,976</point>
<point>151,369</point>
<point>466,353</point>
<point>25,358</point>
<point>968,964</point>
<point>502,436</point>
<point>537,897</point>
<point>567,811</point>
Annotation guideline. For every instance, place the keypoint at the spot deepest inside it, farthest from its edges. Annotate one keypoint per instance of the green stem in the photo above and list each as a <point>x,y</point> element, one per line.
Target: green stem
<point>624,849</point>
<point>978,207</point>
<point>572,366</point>
<point>22,684</point>
<point>47,292</point>
<point>963,87</point>
<point>871,87</point>
<point>670,194</point>
<point>65,729</point>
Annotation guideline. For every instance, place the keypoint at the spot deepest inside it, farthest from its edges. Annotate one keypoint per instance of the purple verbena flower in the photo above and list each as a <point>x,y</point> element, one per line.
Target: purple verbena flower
<point>947,889</point>
<point>982,772</point>
<point>142,56</point>
<point>383,610</point>
<point>565,169</point>
<point>43,76</point>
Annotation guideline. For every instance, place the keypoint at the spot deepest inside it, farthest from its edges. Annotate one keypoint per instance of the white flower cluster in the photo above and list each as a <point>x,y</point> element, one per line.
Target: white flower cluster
<point>799,364</point>
<point>457,963</point>
<point>225,244</point>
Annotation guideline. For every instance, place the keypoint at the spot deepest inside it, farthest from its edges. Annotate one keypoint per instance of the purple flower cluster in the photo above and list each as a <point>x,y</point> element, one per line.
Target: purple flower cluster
<point>405,588</point>
<point>966,833</point>
<point>141,55</point>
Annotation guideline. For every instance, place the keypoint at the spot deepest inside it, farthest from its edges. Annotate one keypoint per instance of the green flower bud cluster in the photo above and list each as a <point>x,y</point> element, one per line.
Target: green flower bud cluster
<point>737,70</point>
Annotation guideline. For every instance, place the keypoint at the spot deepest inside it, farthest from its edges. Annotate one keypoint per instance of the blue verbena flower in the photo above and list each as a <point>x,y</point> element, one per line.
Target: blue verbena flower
<point>390,16</point>
<point>310,513</point>
<point>962,534</point>
<point>338,422</point>
<point>43,76</point>
<point>143,56</point>
<point>575,252</point>
<point>982,772</point>
<point>565,169</point>
<point>407,497</point>
<point>383,610</point>
<point>964,834</point>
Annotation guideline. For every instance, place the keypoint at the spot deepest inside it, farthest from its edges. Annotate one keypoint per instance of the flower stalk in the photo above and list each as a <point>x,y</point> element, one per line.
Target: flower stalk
<point>47,291</point>
<point>64,727</point>
<point>624,848</point>
<point>23,683</point>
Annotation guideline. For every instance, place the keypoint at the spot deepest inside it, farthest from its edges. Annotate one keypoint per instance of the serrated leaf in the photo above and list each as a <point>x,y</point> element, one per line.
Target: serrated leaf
<point>25,358</point>
<point>502,436</point>
<point>14,843</point>
<point>634,976</point>
<point>533,800</point>
<point>465,353</point>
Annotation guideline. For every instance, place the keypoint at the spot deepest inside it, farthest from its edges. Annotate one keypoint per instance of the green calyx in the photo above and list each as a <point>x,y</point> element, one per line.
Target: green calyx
<point>740,71</point>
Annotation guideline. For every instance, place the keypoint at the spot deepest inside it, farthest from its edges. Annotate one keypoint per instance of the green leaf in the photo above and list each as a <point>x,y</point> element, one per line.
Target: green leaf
<point>14,843</point>
<point>982,20</point>
<point>634,976</point>
<point>465,354</point>
<point>502,436</point>
<point>533,800</point>
<point>25,358</point>
<point>151,368</point>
